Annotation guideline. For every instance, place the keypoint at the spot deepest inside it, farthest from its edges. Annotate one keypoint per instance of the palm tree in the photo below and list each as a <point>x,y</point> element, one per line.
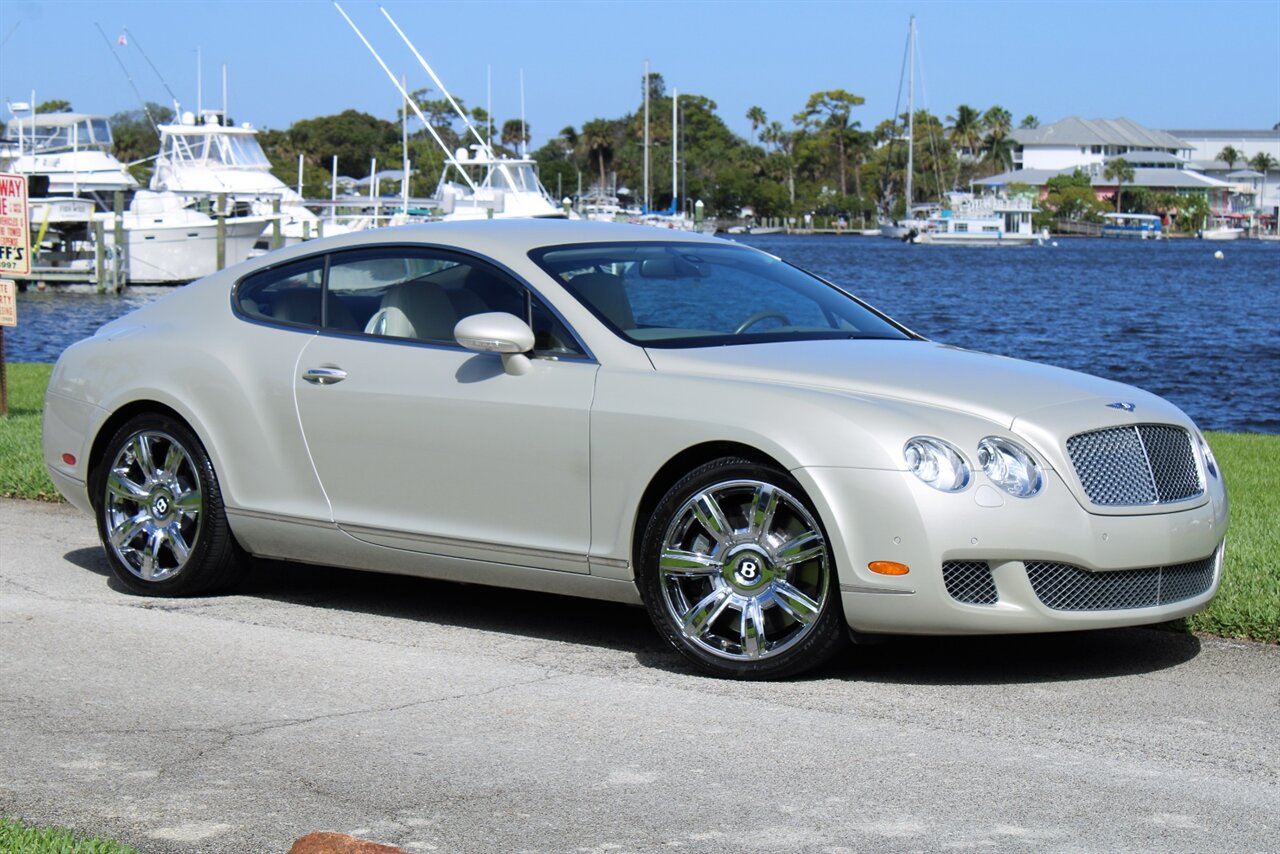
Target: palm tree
<point>757,118</point>
<point>1263,162</point>
<point>965,132</point>
<point>597,139</point>
<point>785,143</point>
<point>1029,122</point>
<point>997,148</point>
<point>1229,156</point>
<point>998,122</point>
<point>1118,170</point>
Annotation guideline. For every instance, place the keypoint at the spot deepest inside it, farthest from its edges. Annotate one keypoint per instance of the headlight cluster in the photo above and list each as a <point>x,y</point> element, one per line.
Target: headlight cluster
<point>937,463</point>
<point>1008,465</point>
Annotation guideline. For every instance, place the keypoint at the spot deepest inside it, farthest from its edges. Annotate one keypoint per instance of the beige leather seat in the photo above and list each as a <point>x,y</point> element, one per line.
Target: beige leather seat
<point>419,310</point>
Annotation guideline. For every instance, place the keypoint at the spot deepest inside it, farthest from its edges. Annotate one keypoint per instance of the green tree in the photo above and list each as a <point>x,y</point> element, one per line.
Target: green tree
<point>965,131</point>
<point>830,113</point>
<point>1029,122</point>
<point>1193,213</point>
<point>757,118</point>
<point>997,148</point>
<point>355,137</point>
<point>1263,162</point>
<point>1229,155</point>
<point>1118,170</point>
<point>784,146</point>
<point>597,138</point>
<point>134,140</point>
<point>514,133</point>
<point>56,106</point>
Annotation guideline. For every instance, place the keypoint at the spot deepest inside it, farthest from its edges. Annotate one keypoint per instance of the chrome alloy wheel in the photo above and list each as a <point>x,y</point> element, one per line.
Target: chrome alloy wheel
<point>744,570</point>
<point>153,505</point>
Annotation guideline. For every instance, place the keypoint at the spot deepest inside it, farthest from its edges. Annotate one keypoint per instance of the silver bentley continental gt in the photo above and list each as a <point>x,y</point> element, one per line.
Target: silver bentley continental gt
<point>762,460</point>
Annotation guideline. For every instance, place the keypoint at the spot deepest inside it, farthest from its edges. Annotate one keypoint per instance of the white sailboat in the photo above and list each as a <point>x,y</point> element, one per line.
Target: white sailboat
<point>901,229</point>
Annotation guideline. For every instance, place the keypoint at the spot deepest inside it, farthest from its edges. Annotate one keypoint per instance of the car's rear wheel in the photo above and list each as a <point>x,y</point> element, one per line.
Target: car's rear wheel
<point>160,513</point>
<point>737,574</point>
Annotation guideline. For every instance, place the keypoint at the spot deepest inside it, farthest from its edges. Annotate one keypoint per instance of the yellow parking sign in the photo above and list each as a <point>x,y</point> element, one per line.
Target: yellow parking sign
<point>15,229</point>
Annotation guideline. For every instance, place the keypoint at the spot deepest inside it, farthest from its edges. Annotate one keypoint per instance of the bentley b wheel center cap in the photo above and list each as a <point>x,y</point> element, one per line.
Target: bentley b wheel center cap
<point>748,570</point>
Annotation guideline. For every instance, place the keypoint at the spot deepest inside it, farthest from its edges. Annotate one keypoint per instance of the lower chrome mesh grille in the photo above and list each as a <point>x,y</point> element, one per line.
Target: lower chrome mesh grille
<point>1069,588</point>
<point>969,581</point>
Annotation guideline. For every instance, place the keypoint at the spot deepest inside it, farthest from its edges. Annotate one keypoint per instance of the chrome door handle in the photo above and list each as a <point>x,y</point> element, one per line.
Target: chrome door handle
<point>324,376</point>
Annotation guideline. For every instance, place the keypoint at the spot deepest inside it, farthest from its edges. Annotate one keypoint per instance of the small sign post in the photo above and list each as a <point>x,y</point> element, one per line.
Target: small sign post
<point>8,317</point>
<point>15,260</point>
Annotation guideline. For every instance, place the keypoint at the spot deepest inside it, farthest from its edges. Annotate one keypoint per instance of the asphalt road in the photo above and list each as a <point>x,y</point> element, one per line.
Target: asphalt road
<point>444,717</point>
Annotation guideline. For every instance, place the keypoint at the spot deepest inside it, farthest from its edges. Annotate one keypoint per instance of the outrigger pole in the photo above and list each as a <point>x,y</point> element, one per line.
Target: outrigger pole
<point>436,136</point>
<point>443,90</point>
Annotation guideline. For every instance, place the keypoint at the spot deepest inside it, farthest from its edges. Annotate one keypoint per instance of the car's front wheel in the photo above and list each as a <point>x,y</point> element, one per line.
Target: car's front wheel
<point>160,514</point>
<point>737,574</point>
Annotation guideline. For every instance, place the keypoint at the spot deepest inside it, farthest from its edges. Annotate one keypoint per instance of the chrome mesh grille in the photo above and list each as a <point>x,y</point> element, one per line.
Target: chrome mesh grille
<point>1069,588</point>
<point>1132,466</point>
<point>969,581</point>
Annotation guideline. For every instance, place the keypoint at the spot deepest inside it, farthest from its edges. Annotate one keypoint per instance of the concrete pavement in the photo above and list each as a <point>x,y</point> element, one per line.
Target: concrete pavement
<point>444,717</point>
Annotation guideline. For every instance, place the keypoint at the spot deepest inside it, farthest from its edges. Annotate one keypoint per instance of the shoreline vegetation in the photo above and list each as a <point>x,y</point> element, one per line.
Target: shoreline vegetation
<point>832,158</point>
<point>1247,605</point>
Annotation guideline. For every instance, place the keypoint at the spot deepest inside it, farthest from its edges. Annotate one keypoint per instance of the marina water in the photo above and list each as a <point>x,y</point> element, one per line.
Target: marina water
<point>1165,316</point>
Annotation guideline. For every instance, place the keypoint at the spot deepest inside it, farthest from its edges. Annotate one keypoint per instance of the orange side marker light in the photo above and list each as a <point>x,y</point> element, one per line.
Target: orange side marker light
<point>888,567</point>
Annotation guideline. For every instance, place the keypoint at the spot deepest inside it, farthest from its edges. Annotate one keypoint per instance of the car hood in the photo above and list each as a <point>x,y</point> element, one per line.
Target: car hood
<point>996,388</point>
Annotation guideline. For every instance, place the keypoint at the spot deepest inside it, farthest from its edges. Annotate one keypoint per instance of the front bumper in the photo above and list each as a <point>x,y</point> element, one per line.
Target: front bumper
<point>892,516</point>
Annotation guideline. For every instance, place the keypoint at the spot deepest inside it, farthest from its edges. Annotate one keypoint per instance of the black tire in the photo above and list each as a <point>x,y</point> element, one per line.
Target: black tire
<point>758,600</point>
<point>159,511</point>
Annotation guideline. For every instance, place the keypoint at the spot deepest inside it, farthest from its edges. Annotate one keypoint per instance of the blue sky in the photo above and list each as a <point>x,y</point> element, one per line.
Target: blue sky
<point>1170,64</point>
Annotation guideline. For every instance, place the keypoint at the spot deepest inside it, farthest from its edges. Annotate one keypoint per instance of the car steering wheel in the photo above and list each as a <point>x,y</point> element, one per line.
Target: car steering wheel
<point>757,316</point>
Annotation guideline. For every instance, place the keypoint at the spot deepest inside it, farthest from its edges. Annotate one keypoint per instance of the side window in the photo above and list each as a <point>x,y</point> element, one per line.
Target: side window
<point>286,294</point>
<point>397,292</point>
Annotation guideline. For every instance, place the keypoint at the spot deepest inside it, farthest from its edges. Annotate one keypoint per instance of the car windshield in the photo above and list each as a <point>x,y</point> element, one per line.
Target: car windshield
<point>682,294</point>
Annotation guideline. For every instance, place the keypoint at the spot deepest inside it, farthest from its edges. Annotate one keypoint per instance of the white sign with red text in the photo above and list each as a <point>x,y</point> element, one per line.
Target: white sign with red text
<point>15,229</point>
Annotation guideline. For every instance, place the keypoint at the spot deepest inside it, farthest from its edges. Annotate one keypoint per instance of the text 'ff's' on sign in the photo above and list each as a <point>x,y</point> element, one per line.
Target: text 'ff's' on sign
<point>15,228</point>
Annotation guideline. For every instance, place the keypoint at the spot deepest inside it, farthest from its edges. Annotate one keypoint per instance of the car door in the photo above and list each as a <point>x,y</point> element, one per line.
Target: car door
<point>422,445</point>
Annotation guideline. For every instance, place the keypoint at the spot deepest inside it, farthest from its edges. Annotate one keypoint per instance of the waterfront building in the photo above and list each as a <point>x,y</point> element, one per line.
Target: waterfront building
<point>1162,161</point>
<point>1207,144</point>
<point>1076,142</point>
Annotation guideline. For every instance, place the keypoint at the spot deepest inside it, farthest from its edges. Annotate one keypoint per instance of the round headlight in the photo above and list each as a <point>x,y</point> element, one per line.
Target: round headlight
<point>937,463</point>
<point>1010,466</point>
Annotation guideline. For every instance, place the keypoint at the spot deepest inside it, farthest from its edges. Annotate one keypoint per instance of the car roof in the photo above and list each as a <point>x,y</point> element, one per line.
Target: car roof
<point>498,237</point>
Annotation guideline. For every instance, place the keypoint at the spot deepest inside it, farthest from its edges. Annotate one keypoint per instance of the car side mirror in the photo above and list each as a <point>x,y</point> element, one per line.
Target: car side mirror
<point>498,332</point>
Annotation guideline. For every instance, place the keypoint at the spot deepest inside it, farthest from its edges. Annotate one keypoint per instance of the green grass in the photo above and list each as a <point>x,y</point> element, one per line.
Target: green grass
<point>1248,605</point>
<point>22,473</point>
<point>17,837</point>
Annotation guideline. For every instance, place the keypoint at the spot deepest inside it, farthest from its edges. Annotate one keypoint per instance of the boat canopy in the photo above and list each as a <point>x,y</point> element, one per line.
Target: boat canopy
<point>217,149</point>
<point>58,131</point>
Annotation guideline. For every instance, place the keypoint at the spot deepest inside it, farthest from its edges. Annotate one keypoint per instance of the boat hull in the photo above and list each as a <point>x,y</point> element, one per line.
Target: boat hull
<point>164,253</point>
<point>941,239</point>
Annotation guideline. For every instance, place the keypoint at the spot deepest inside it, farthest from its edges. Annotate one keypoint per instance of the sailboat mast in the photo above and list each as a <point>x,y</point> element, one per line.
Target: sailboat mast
<point>675,144</point>
<point>911,109</point>
<point>646,136</point>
